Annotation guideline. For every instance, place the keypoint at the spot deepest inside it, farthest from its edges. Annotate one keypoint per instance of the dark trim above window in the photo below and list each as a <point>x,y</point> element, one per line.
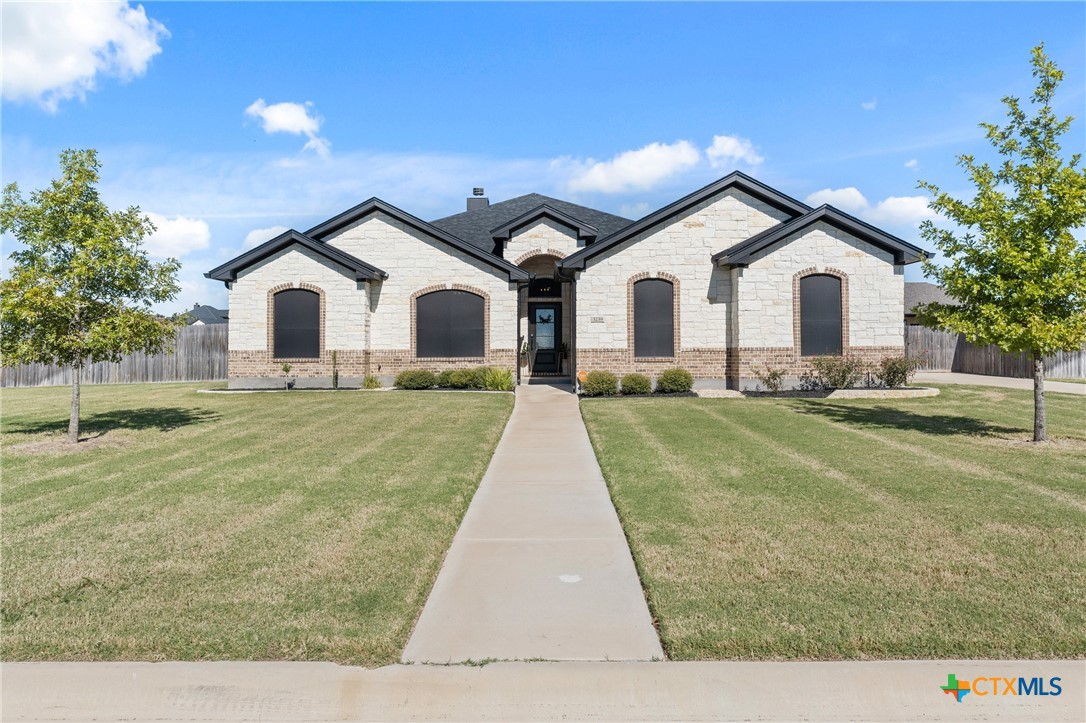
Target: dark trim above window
<point>296,319</point>
<point>821,327</point>
<point>654,318</point>
<point>450,323</point>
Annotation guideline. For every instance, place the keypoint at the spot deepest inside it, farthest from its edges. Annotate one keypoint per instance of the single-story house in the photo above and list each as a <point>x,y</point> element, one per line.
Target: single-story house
<point>923,292</point>
<point>724,281</point>
<point>203,314</point>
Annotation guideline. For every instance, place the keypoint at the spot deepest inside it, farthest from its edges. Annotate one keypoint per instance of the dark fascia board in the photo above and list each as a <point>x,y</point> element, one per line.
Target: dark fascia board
<point>739,255</point>
<point>584,230</point>
<point>229,271</point>
<point>735,179</point>
<point>351,215</point>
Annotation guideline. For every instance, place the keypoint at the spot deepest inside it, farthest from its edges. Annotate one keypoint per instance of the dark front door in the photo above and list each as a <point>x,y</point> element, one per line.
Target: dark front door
<point>545,337</point>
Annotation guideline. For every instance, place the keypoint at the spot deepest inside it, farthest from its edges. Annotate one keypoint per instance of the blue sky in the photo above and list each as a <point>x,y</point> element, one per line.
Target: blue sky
<point>226,122</point>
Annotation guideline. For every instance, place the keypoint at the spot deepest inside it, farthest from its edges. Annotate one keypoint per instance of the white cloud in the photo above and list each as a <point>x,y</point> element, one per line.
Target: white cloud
<point>903,210</point>
<point>293,118</point>
<point>259,235</point>
<point>634,210</point>
<point>912,163</point>
<point>56,51</point>
<point>847,199</point>
<point>870,104</point>
<point>726,151</point>
<point>892,211</point>
<point>635,170</point>
<point>176,236</point>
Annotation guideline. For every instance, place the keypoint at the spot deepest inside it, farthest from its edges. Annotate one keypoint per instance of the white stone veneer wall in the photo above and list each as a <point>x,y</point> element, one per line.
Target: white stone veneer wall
<point>682,247</point>
<point>414,261</point>
<point>344,299</point>
<point>876,289</point>
<point>541,235</point>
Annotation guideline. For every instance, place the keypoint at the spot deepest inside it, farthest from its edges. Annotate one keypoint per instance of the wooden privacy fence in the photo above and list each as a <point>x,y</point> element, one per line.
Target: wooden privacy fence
<point>199,354</point>
<point>947,352</point>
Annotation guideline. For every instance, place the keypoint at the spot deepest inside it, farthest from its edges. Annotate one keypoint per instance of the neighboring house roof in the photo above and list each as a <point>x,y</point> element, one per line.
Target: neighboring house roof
<point>207,315</point>
<point>923,292</point>
<point>740,254</point>
<point>229,271</point>
<point>736,180</point>
<point>352,215</point>
<point>584,231</point>
<point>477,227</point>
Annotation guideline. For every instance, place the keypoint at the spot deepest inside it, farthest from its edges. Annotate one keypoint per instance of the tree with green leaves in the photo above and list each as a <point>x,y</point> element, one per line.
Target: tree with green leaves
<point>81,288</point>
<point>1013,263</point>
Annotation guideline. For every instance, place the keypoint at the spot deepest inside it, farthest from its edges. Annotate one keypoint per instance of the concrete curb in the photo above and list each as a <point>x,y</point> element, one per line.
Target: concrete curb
<point>725,691</point>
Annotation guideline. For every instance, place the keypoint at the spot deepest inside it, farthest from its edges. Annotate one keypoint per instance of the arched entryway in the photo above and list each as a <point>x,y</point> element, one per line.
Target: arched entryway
<point>545,318</point>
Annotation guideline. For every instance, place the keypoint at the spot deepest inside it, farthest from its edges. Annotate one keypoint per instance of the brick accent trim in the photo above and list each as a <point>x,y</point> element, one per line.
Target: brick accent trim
<point>271,319</point>
<point>413,349</point>
<point>675,318</point>
<point>539,252</point>
<point>796,312</point>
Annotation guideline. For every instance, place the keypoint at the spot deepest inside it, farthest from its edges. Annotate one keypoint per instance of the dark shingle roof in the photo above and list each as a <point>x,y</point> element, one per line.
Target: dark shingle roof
<point>207,314</point>
<point>475,226</point>
<point>922,292</point>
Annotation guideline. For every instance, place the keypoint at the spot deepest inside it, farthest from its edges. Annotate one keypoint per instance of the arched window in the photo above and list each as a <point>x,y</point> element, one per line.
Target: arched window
<point>654,318</point>
<point>449,324</point>
<point>297,327</point>
<point>820,315</point>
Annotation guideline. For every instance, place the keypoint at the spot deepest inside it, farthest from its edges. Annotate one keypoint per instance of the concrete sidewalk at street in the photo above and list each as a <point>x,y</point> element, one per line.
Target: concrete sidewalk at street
<point>727,691</point>
<point>540,567</point>
<point>989,381</point>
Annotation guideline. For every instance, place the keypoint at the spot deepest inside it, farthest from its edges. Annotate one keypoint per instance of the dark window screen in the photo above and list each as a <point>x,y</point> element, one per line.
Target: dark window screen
<point>297,324</point>
<point>820,315</point>
<point>449,324</point>
<point>654,320</point>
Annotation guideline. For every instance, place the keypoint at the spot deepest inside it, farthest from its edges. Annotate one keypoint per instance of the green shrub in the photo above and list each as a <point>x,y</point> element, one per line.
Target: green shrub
<point>370,381</point>
<point>600,384</point>
<point>416,379</point>
<point>463,379</point>
<point>773,379</point>
<point>497,380</point>
<point>478,377</point>
<point>838,372</point>
<point>636,384</point>
<point>674,381</point>
<point>444,379</point>
<point>896,371</point>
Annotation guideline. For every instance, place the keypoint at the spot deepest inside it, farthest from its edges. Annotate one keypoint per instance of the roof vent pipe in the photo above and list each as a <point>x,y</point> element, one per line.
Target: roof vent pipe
<point>477,200</point>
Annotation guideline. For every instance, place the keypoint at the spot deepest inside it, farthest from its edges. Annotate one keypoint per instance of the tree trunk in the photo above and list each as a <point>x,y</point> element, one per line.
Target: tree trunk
<point>73,419</point>
<point>1040,431</point>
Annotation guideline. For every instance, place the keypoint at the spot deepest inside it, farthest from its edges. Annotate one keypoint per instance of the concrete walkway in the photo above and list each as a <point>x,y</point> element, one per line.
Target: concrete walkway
<point>987,381</point>
<point>540,568</point>
<point>880,691</point>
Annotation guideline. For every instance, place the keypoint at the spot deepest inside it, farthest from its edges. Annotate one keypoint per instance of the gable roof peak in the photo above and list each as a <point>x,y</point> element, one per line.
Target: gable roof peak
<point>740,254</point>
<point>229,271</point>
<point>735,179</point>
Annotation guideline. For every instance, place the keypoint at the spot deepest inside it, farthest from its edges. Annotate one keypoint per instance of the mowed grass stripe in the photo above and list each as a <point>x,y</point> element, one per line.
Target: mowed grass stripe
<point>281,526</point>
<point>935,458</point>
<point>784,562</point>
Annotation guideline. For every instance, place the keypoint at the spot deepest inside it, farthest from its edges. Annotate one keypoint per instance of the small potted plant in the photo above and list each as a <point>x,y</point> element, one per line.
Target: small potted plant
<point>286,370</point>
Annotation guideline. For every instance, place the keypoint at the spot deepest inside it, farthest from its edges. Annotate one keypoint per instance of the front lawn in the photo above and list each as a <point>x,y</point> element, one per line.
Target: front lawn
<point>300,526</point>
<point>827,529</point>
